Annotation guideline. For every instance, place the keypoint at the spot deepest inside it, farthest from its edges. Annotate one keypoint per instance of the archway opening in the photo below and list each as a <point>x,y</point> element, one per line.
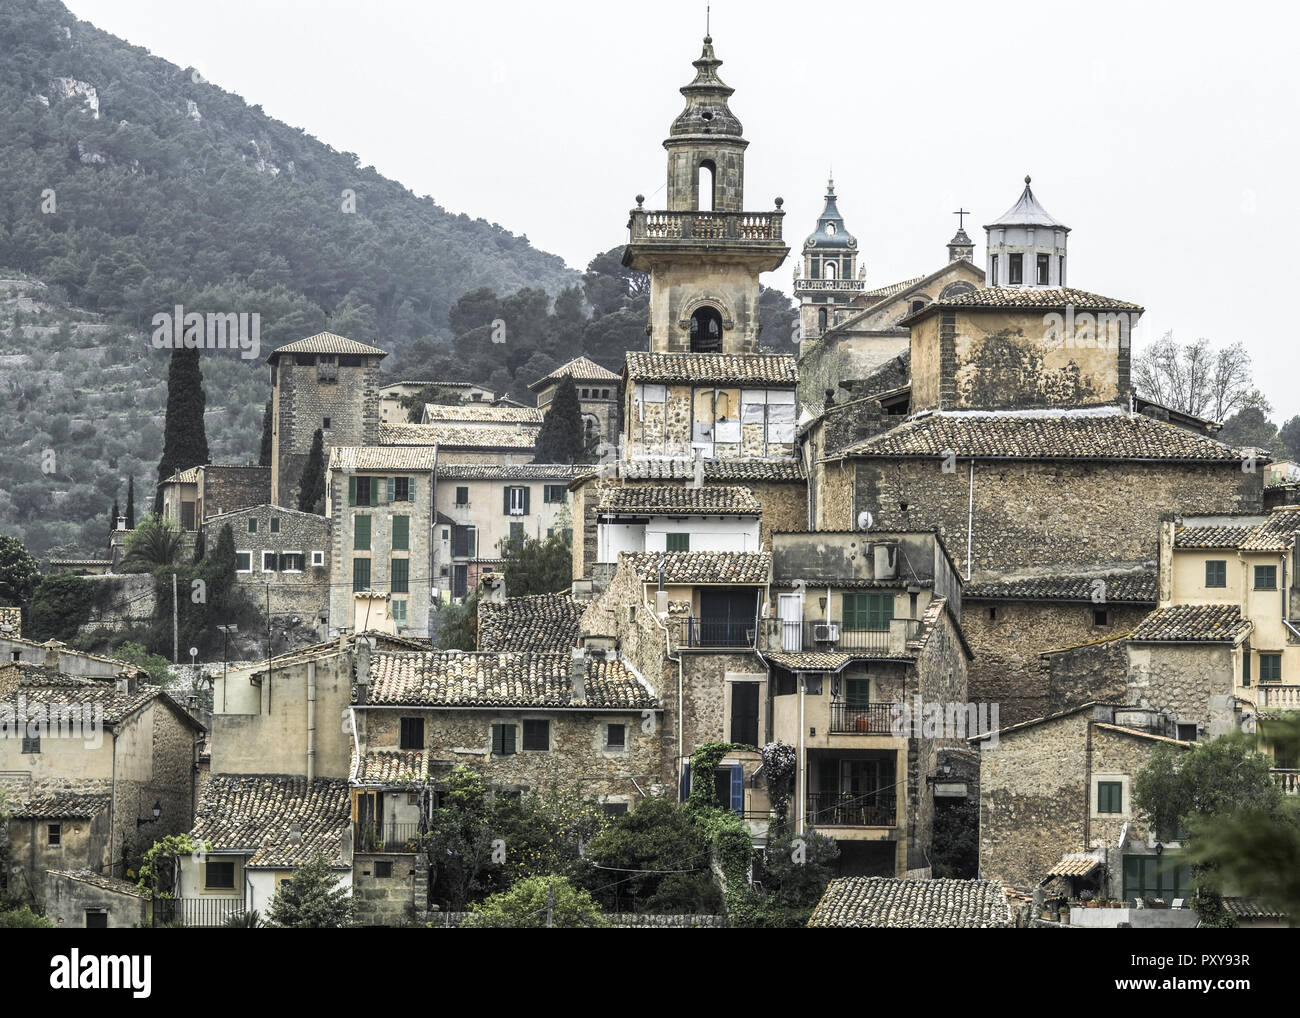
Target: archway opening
<point>704,184</point>
<point>706,330</point>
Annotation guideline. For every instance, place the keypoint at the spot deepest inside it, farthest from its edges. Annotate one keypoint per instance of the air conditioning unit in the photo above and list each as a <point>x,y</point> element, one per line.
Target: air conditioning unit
<point>826,632</point>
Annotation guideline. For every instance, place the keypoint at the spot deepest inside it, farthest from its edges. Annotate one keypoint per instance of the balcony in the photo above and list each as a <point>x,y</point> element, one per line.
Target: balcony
<point>711,229</point>
<point>1288,778</point>
<point>1275,696</point>
<point>694,633</point>
<point>393,838</point>
<point>849,809</point>
<point>794,637</point>
<point>830,284</point>
<point>862,719</point>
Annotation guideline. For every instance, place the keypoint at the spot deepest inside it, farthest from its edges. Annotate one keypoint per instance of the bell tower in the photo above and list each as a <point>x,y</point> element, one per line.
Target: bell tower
<point>830,277</point>
<point>704,253</point>
<point>1026,246</point>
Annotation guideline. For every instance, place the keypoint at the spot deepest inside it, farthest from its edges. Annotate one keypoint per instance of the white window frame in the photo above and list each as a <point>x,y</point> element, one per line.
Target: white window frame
<point>317,559</point>
<point>517,498</point>
<point>291,552</point>
<point>1126,813</point>
<point>250,561</point>
<point>275,557</point>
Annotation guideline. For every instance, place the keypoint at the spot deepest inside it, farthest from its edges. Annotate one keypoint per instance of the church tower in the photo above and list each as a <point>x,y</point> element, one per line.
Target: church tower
<point>704,253</point>
<point>830,277</point>
<point>1026,246</point>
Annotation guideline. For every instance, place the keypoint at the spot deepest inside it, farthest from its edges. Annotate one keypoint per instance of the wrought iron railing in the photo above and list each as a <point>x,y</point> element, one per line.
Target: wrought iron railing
<point>198,912</point>
<point>713,634</point>
<point>388,837</point>
<point>862,718</point>
<point>833,636</point>
<point>850,809</point>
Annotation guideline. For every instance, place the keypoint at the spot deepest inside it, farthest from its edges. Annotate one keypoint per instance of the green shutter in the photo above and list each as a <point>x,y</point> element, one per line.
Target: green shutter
<point>400,571</point>
<point>410,489</point>
<point>401,533</point>
<point>375,482</point>
<point>678,542</point>
<point>509,731</point>
<point>528,491</point>
<point>505,502</point>
<point>880,611</point>
<point>498,740</point>
<point>361,533</point>
<point>352,490</point>
<point>855,614</point>
<point>392,484</point>
<point>361,574</point>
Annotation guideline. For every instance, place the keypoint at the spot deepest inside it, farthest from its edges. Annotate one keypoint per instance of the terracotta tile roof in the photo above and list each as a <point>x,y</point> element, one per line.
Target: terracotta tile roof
<point>458,436</point>
<point>892,902</point>
<point>351,458</point>
<point>702,566</point>
<point>101,880</point>
<point>257,813</point>
<point>1247,908</point>
<point>189,476</point>
<point>1033,298</point>
<point>546,622</point>
<point>1075,864</point>
<point>713,368</point>
<point>1124,588</point>
<point>457,678</point>
<point>436,413</point>
<point>391,767</point>
<point>1192,623</point>
<point>61,806</point>
<point>785,469</point>
<point>579,369</point>
<point>1103,433</point>
<point>679,500</point>
<point>328,342</point>
<point>45,687</point>
<point>809,661</point>
<point>1277,532</point>
<point>882,293</point>
<point>513,472</point>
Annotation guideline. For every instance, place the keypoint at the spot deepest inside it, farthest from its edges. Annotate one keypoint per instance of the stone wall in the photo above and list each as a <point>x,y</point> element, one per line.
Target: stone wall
<point>303,593</point>
<point>1008,669</point>
<point>226,488</point>
<point>1193,683</point>
<point>394,900</point>
<point>83,844</point>
<point>69,896</point>
<point>577,757</point>
<point>1040,514</point>
<point>155,765</point>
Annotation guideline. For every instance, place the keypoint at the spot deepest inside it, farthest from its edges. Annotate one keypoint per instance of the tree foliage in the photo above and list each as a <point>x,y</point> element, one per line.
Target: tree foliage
<point>458,625</point>
<point>156,544</point>
<point>1196,378</point>
<point>537,902</point>
<point>19,572</point>
<point>313,898</point>
<point>185,436</point>
<point>311,488</point>
<point>534,566</point>
<point>562,438</point>
<point>60,605</point>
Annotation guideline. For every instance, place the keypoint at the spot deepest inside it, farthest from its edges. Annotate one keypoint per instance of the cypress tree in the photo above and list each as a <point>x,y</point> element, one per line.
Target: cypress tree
<point>112,517</point>
<point>562,437</point>
<point>311,490</point>
<point>130,505</point>
<point>264,459</point>
<point>185,441</point>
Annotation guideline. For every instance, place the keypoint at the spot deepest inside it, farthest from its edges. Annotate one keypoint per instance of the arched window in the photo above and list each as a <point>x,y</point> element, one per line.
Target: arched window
<point>918,304</point>
<point>828,270</point>
<point>706,330</point>
<point>830,229</point>
<point>821,319</point>
<point>704,184</point>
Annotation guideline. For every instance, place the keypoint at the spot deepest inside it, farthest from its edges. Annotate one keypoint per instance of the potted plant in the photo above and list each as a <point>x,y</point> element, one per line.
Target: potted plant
<point>1089,899</point>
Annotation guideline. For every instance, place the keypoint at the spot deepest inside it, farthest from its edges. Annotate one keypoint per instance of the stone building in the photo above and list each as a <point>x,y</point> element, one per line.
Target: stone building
<point>380,503</point>
<point>599,398</point>
<point>282,560</point>
<point>191,497</point>
<point>467,443</point>
<point>98,772</point>
<point>479,506</point>
<point>704,253</point>
<point>391,395</point>
<point>831,279</point>
<point>324,382</point>
<point>1062,786</point>
<point>85,899</point>
<point>864,637</point>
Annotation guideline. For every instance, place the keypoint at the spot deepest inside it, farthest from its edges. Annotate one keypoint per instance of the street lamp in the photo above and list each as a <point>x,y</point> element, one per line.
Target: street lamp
<point>157,812</point>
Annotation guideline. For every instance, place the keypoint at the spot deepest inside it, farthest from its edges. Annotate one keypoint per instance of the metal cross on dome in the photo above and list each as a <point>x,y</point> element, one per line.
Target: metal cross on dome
<point>961,214</point>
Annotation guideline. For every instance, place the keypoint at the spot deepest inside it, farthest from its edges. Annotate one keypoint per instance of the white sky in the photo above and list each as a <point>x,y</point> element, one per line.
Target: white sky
<point>1164,134</point>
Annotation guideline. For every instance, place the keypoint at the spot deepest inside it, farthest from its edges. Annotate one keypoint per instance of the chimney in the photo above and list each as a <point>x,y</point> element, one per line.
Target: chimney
<point>830,398</point>
<point>52,655</point>
<point>697,479</point>
<point>578,674</point>
<point>363,670</point>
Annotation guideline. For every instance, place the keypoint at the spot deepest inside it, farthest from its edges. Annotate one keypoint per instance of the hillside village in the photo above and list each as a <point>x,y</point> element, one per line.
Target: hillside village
<point>921,596</point>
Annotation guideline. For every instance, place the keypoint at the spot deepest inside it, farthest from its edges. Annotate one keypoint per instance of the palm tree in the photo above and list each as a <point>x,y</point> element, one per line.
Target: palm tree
<point>155,543</point>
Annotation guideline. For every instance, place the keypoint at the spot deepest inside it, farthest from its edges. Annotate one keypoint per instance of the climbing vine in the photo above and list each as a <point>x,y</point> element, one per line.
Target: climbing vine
<point>778,767</point>
<point>160,867</point>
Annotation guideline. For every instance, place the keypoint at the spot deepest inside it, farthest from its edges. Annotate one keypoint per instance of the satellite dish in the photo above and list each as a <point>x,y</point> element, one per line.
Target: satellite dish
<point>864,520</point>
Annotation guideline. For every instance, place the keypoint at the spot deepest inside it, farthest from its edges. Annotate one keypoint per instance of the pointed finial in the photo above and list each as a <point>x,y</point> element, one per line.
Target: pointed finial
<point>1026,180</point>
<point>708,31</point>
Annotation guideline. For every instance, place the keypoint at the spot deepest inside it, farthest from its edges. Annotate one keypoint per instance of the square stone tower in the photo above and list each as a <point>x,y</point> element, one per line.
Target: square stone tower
<point>327,382</point>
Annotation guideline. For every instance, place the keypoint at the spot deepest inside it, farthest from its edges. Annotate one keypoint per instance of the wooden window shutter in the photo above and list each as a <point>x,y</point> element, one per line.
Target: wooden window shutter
<point>509,731</point>
<point>498,740</point>
<point>737,788</point>
<point>505,506</point>
<point>527,494</point>
<point>685,791</point>
<point>352,490</point>
<point>374,490</point>
<point>392,483</point>
<point>410,489</point>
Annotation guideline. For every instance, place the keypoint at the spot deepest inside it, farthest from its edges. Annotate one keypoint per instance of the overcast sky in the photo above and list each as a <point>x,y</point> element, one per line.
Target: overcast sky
<point>1164,134</point>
